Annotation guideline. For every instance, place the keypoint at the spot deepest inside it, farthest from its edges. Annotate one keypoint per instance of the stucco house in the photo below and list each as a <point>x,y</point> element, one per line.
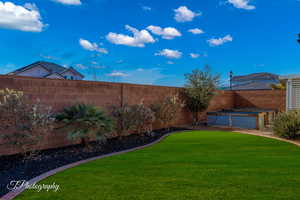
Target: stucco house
<point>292,91</point>
<point>48,70</point>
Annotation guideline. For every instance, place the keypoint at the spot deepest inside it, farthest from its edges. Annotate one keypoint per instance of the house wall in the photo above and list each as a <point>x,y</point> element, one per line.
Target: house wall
<point>62,93</point>
<point>54,76</point>
<point>70,73</point>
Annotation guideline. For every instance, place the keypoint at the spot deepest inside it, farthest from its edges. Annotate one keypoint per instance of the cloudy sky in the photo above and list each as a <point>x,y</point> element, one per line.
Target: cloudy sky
<point>151,41</point>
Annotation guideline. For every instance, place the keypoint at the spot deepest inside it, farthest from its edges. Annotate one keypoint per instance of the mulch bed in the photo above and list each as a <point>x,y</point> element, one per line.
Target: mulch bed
<point>14,167</point>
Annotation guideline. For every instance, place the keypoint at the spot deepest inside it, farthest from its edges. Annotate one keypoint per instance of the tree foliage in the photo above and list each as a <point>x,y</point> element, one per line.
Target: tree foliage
<point>280,86</point>
<point>200,88</point>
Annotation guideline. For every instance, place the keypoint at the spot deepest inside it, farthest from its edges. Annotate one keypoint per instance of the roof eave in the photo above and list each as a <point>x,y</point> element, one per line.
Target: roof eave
<point>291,76</point>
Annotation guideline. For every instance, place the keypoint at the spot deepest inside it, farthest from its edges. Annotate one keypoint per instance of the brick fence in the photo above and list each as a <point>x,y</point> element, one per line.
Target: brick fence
<point>268,99</point>
<point>62,93</point>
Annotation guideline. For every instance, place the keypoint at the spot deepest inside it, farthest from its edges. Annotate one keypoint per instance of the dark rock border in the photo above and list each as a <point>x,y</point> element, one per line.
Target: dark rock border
<point>53,161</point>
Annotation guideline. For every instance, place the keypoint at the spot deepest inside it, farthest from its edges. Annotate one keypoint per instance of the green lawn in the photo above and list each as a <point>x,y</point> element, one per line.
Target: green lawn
<point>191,165</point>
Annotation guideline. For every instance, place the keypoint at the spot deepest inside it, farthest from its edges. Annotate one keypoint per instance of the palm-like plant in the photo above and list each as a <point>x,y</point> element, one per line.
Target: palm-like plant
<point>85,121</point>
<point>280,86</point>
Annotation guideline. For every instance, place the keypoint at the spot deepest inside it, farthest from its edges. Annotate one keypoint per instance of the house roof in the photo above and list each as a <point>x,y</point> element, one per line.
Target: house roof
<point>256,76</point>
<point>291,76</point>
<point>256,81</point>
<point>254,86</point>
<point>51,67</point>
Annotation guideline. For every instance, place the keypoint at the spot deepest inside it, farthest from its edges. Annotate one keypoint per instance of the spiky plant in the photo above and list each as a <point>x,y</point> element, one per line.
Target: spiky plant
<point>84,121</point>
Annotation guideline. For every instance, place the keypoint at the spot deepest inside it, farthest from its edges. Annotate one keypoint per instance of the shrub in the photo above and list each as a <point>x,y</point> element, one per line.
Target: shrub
<point>200,88</point>
<point>85,121</point>
<point>166,112</point>
<point>133,118</point>
<point>125,119</point>
<point>23,123</point>
<point>287,124</point>
<point>144,118</point>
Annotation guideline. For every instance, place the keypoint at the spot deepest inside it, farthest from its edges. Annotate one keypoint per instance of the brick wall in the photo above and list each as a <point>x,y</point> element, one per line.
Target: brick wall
<point>268,99</point>
<point>62,93</point>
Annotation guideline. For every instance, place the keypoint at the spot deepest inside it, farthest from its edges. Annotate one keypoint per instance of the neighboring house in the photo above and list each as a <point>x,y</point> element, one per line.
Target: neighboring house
<point>48,70</point>
<point>292,91</point>
<point>256,81</point>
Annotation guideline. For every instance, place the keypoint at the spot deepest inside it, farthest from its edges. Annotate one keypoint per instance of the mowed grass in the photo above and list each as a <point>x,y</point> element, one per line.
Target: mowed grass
<point>208,165</point>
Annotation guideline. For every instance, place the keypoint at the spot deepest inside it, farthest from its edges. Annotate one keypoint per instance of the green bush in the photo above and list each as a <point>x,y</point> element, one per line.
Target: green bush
<point>85,121</point>
<point>287,125</point>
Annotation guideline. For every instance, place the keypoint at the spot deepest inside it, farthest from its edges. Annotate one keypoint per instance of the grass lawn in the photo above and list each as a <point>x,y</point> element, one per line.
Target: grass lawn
<point>208,165</point>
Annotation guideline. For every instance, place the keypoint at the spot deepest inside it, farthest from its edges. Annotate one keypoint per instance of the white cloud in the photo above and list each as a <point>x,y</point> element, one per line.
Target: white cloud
<point>220,41</point>
<point>196,31</point>
<point>98,66</point>
<point>139,38</point>
<point>146,8</point>
<point>183,14</point>
<point>21,18</point>
<point>69,2</point>
<point>242,4</point>
<point>117,74</point>
<point>169,53</point>
<point>143,76</point>
<point>81,66</point>
<point>170,63</point>
<point>87,45</point>
<point>94,62</point>
<point>48,57</point>
<point>194,55</point>
<point>168,33</point>
<point>120,61</point>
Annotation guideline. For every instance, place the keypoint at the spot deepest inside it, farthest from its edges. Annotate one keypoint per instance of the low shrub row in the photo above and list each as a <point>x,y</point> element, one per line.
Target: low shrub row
<point>25,123</point>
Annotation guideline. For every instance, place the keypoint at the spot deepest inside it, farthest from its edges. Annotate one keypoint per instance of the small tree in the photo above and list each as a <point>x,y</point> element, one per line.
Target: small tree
<point>200,88</point>
<point>125,120</point>
<point>85,121</point>
<point>166,112</point>
<point>23,123</point>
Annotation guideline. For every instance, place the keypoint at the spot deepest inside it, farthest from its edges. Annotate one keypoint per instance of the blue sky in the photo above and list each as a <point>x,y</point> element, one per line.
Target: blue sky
<point>152,41</point>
